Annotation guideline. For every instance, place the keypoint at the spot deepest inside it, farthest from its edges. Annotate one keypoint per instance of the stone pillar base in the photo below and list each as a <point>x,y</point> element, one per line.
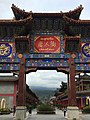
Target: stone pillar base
<point>73,113</point>
<point>20,112</point>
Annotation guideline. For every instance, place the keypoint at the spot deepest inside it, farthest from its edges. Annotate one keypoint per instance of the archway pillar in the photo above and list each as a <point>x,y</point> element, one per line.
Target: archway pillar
<point>21,100</point>
<point>72,109</point>
<point>72,85</point>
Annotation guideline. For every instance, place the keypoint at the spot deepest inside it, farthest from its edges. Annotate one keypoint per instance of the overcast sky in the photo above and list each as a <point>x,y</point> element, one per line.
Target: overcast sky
<point>44,78</point>
<point>44,6</point>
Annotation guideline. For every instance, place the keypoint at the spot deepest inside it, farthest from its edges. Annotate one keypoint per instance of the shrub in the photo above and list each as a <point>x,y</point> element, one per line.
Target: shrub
<point>45,107</point>
<point>74,118</point>
<point>60,106</point>
<point>30,107</point>
<point>86,109</point>
<point>4,111</point>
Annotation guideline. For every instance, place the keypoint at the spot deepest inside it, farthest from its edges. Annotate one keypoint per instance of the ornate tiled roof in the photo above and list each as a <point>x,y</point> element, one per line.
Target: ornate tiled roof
<point>67,19</point>
<point>22,14</point>
<point>16,22</point>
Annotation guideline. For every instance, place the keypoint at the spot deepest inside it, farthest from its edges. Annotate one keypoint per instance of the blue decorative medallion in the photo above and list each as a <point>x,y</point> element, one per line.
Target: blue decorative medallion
<point>5,49</point>
<point>86,49</point>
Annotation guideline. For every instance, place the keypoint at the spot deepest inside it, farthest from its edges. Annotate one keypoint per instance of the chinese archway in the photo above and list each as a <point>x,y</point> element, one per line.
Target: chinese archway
<point>32,41</point>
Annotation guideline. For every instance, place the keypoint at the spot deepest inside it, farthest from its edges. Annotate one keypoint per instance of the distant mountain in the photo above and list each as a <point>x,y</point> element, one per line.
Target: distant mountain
<point>41,88</point>
<point>43,93</point>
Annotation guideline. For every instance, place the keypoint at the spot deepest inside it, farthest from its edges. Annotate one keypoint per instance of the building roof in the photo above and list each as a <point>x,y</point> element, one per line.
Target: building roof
<point>31,92</point>
<point>16,22</point>
<point>8,78</point>
<point>24,22</point>
<point>85,76</point>
<point>77,22</point>
<point>19,13</point>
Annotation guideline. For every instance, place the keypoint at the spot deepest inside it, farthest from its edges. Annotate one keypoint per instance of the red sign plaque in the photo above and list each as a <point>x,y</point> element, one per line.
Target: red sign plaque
<point>47,44</point>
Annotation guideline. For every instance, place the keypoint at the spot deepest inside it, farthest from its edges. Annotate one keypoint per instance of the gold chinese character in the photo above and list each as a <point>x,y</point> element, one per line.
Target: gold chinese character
<point>40,44</point>
<point>53,44</point>
<point>46,44</point>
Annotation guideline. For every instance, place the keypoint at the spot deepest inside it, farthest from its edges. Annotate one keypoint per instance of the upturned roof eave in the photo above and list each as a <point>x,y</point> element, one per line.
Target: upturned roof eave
<point>15,22</point>
<point>76,22</point>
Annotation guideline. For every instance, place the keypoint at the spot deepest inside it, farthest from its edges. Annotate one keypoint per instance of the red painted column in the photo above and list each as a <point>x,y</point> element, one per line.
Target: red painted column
<point>72,85</point>
<point>22,84</point>
<point>15,93</point>
<point>68,86</point>
<point>81,102</point>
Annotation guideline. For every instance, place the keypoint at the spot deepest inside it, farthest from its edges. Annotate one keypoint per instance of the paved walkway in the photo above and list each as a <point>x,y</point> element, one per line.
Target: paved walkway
<point>85,117</point>
<point>57,116</point>
<point>34,116</point>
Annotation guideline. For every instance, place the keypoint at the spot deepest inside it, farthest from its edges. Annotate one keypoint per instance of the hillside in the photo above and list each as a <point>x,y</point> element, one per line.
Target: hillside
<point>43,93</point>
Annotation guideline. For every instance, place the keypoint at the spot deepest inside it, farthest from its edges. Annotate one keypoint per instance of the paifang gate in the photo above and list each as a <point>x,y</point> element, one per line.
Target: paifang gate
<point>34,41</point>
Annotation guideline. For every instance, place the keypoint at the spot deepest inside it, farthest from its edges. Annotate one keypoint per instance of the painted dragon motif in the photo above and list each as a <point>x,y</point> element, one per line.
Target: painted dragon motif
<point>4,49</point>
